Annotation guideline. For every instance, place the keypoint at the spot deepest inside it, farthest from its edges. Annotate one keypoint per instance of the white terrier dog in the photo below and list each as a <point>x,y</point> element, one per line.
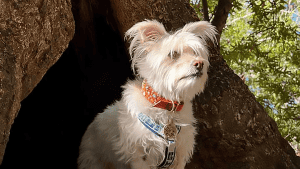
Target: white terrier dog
<point>152,126</point>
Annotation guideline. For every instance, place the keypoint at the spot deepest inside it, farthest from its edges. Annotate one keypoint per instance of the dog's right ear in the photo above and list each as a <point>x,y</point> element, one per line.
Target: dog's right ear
<point>146,31</point>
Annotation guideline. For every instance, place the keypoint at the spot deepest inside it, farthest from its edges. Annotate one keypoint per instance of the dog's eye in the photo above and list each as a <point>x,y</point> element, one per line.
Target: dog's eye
<point>175,55</point>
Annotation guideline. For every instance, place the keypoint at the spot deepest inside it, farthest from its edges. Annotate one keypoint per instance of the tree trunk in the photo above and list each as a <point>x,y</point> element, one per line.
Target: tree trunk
<point>32,38</point>
<point>234,130</point>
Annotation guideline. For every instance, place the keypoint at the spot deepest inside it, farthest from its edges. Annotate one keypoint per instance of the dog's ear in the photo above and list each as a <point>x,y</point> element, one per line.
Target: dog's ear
<point>146,31</point>
<point>143,36</point>
<point>202,29</point>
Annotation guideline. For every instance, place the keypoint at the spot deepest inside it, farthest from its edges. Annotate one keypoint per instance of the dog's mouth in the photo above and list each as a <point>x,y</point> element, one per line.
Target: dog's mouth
<point>194,75</point>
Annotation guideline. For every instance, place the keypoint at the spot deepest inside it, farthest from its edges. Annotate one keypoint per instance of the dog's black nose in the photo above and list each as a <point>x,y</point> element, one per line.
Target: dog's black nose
<point>198,64</point>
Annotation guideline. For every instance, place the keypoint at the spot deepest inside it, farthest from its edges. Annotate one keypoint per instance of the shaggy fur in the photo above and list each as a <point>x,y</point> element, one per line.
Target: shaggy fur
<point>116,139</point>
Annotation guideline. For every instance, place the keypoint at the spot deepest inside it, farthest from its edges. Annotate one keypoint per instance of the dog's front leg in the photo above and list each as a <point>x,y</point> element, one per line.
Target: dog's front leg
<point>179,162</point>
<point>139,159</point>
<point>185,146</point>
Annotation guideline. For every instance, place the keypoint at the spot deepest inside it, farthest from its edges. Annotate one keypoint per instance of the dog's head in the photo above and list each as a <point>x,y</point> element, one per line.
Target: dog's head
<point>175,65</point>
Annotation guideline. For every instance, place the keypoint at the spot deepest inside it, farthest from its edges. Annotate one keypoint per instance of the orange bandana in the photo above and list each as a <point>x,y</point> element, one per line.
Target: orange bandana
<point>159,101</point>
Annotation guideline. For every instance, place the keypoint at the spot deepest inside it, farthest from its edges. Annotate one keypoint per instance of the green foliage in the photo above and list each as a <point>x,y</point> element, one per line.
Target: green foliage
<point>197,5</point>
<point>262,42</point>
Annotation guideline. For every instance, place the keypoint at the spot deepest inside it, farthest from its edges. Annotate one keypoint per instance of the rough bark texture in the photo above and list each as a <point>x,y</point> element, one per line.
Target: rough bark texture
<point>172,13</point>
<point>33,35</point>
<point>234,131</point>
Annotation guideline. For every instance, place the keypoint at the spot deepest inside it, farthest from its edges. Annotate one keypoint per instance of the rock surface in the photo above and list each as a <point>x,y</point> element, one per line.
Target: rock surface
<point>33,35</point>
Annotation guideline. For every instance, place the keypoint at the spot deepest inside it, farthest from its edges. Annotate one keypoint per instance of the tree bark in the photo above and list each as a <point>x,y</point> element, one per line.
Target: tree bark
<point>205,10</point>
<point>234,130</point>
<point>221,14</point>
<point>33,35</point>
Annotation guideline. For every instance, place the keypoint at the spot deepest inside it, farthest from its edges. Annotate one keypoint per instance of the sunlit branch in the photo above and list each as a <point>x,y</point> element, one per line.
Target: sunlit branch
<point>221,14</point>
<point>205,10</point>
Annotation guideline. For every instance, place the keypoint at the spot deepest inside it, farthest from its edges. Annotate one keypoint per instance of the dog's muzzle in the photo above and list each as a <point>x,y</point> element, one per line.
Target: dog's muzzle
<point>199,65</point>
<point>197,74</point>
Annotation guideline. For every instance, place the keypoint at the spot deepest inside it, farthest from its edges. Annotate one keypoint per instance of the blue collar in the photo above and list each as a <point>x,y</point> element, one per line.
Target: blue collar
<point>157,129</point>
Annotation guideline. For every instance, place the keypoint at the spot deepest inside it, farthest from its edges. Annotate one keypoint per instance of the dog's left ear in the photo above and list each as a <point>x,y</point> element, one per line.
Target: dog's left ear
<point>202,29</point>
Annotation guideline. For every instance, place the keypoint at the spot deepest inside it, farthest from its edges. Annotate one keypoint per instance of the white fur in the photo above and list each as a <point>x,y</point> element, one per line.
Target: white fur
<point>116,139</point>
